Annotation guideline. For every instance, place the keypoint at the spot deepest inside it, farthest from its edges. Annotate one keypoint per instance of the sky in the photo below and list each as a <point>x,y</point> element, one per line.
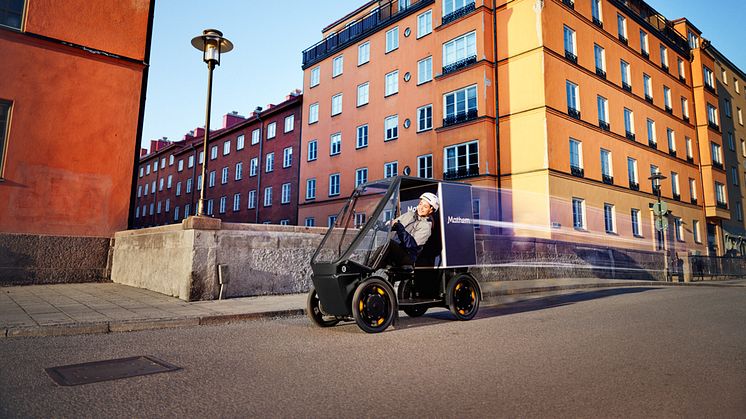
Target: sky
<point>269,36</point>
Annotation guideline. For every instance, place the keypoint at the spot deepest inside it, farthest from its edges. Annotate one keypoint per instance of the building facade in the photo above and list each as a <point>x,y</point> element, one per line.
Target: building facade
<point>251,175</point>
<point>569,105</point>
<point>71,111</point>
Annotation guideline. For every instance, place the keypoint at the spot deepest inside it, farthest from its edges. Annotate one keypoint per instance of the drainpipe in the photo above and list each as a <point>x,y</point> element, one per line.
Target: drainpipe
<point>497,118</point>
<point>258,112</point>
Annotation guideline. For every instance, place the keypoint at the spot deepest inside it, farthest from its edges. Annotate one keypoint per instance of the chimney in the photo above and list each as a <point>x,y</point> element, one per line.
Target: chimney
<point>143,151</point>
<point>199,132</point>
<point>156,145</point>
<point>232,119</point>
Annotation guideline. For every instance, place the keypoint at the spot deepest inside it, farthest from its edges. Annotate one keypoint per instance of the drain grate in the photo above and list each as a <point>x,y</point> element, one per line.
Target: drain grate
<point>113,369</point>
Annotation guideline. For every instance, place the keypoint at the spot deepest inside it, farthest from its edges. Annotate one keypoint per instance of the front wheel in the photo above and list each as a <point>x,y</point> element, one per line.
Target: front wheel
<point>374,305</point>
<point>463,296</point>
<point>315,312</point>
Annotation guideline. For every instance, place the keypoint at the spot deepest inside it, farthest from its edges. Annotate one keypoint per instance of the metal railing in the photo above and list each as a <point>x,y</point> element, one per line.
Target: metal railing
<point>459,13</point>
<point>461,173</point>
<point>458,65</point>
<point>460,117</point>
<point>714,266</point>
<point>574,113</point>
<point>577,171</point>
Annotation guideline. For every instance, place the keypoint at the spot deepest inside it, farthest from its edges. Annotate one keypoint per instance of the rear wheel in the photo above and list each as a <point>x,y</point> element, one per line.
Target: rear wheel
<point>316,313</point>
<point>374,305</point>
<point>406,292</point>
<point>463,296</point>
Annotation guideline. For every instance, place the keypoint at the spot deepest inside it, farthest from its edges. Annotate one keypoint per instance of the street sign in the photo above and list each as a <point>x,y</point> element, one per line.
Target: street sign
<point>661,224</point>
<point>660,208</point>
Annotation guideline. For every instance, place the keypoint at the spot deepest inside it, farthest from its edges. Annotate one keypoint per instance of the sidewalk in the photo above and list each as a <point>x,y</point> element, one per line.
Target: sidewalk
<point>73,309</point>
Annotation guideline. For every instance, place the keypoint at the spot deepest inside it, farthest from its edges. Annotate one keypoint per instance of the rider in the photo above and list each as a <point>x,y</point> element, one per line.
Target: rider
<point>412,228</point>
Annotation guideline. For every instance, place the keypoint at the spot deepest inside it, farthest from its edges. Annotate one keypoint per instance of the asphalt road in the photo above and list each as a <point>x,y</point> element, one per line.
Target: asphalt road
<point>632,352</point>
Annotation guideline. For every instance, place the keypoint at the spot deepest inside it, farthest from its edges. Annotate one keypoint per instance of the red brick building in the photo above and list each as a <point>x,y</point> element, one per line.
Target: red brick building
<point>252,171</point>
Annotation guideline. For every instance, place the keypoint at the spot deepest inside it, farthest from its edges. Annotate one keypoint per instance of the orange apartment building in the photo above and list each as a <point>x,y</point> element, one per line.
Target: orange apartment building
<point>74,75</point>
<point>592,96</point>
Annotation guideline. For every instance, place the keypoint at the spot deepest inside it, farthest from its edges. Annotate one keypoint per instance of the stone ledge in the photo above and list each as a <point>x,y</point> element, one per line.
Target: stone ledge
<point>58,330</point>
<point>201,223</point>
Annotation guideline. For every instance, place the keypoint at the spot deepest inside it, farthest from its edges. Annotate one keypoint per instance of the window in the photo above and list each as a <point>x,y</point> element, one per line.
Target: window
<point>337,66</point>
<point>252,199</point>
<point>728,108</point>
<point>209,207</point>
<point>603,111</point>
<point>155,166</point>
<point>335,144</point>
<point>652,138</point>
<point>724,75</point>
<point>163,163</point>
<point>671,136</point>
<point>424,118</point>
<point>621,22</point>
<point>152,208</point>
<point>271,130</point>
<point>269,163</point>
<point>189,185</point>
<point>224,176</point>
<point>709,77</point>
<point>178,188</point>
<point>331,220</point>
<point>644,46</point>
<point>712,116</point>
<point>629,122</point>
<point>734,175</point>
<point>152,188</point>
<point>682,73</point>
<point>717,157</point>
<point>460,49</point>
<point>359,219</point>
<point>695,231</point>
<point>570,49</point>
<point>139,190</point>
<point>693,40</point>
<point>737,86</point>
<point>743,148</point>
<point>310,222</point>
<point>11,14</point>
<point>284,222</point>
<point>392,39</point>
<point>337,104</point>
<point>268,196</point>
<point>240,142</point>
<point>147,168</point>
<point>312,150</point>
<point>214,152</point>
<point>254,166</point>
<point>227,148</point>
<point>289,123</point>
<point>362,94</point>
<point>739,211</point>
<point>576,154</point>
<point>573,102</point>
<point>596,11</point>
<point>237,202</point>
<point>740,116</point>
<point>578,213</point>
<point>599,56</point>
<point>287,157</point>
<point>609,218</point>
<point>392,83</point>
<point>632,172</point>
<point>667,98</point>
<point>362,136</point>
<point>315,76</point>
<point>187,208</point>
<point>626,79</point>
<point>689,150</point>
<point>664,57</point>
<point>391,127</point>
<point>460,105</point>
<point>255,136</point>
<point>361,176</point>
<point>363,53</point>
<point>606,169</point>
<point>221,208</point>
<point>731,142</point>
<point>461,160</point>
<point>684,107</point>
<point>424,23</point>
<point>678,228</point>
<point>334,184</point>
<point>425,166</point>
<point>647,84</point>
<point>311,189</point>
<point>211,181</point>
<point>425,70</point>
<point>159,207</point>
<point>285,194</point>
<point>390,169</point>
<point>693,189</point>
<point>171,160</point>
<point>2,127</point>
<point>169,181</point>
<point>190,162</point>
<point>675,185</point>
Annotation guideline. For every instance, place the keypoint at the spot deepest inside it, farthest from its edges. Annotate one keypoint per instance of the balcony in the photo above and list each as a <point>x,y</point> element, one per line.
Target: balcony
<point>597,22</point>
<point>685,118</point>
<point>722,205</point>
<point>645,54</point>
<point>690,159</point>
<point>717,165</point>
<point>577,171</point>
<point>648,98</point>
<point>604,125</point>
<point>664,67</point>
<point>672,153</point>
<point>624,39</point>
<point>711,89</point>
<point>387,13</point>
<point>693,201</point>
<point>569,3</point>
<point>676,197</point>
<point>641,11</point>
<point>669,110</point>
<point>574,113</point>
<point>461,173</point>
<point>458,65</point>
<point>682,78</point>
<point>653,144</point>
<point>571,57</point>
<point>630,135</point>
<point>626,86</point>
<point>600,73</point>
<point>634,186</point>
<point>607,179</point>
<point>713,125</point>
<point>459,13</point>
<point>460,117</point>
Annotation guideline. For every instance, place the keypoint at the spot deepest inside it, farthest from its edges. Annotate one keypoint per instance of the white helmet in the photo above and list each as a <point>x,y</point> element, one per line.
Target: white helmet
<point>431,199</point>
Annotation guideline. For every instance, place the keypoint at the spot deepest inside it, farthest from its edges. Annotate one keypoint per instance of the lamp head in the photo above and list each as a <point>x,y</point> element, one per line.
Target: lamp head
<point>212,44</point>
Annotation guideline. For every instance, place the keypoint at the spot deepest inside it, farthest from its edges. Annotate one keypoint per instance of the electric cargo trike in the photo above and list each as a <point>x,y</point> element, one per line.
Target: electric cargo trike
<point>351,279</point>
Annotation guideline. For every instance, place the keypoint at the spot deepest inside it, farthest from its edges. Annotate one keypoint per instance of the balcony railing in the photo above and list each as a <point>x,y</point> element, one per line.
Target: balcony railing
<point>676,197</point>
<point>682,78</point>
<point>634,186</point>
<point>713,125</point>
<point>722,205</point>
<point>387,13</point>
<point>604,125</point>
<point>574,113</point>
<point>630,135</point>
<point>460,117</point>
<point>577,171</point>
<point>459,13</point>
<point>710,88</point>
<point>653,144</point>
<point>461,173</point>
<point>458,65</point>
<point>717,164</point>
<point>690,159</point>
<point>648,98</point>
<point>664,67</point>
<point>571,57</point>
<point>685,118</point>
<point>645,54</point>
<point>627,86</point>
<point>639,9</point>
<point>600,72</point>
<point>569,3</point>
<point>669,109</point>
<point>624,39</point>
<point>597,22</point>
<point>693,201</point>
<point>672,153</point>
<point>607,179</point>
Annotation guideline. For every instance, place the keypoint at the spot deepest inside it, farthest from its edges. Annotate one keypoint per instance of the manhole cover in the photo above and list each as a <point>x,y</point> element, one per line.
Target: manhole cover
<point>113,369</point>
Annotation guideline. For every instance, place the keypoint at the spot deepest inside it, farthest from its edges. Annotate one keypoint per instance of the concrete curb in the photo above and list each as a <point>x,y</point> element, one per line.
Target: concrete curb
<point>116,326</point>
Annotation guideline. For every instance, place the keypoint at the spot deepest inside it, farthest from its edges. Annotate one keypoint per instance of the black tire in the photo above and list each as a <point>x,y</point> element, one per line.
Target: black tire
<point>315,312</point>
<point>404,292</point>
<point>463,296</point>
<point>374,305</point>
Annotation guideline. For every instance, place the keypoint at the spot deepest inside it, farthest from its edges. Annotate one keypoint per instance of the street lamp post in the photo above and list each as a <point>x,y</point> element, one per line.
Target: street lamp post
<point>660,210</point>
<point>212,44</point>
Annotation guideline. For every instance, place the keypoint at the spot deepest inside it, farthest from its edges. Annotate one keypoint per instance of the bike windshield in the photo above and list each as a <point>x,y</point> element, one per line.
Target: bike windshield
<point>361,228</point>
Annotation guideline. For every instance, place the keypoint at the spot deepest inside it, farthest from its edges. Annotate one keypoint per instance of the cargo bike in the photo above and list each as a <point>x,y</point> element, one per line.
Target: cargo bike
<point>351,282</point>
